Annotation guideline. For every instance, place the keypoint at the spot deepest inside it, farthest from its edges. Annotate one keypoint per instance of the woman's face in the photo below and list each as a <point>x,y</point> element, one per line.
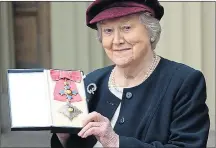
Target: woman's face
<point>125,40</point>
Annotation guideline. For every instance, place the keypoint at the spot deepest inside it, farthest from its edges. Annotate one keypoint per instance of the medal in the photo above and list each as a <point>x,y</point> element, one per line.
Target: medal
<point>69,110</point>
<point>66,91</point>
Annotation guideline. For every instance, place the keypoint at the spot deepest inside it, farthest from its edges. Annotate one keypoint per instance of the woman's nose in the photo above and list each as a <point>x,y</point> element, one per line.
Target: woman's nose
<point>118,38</point>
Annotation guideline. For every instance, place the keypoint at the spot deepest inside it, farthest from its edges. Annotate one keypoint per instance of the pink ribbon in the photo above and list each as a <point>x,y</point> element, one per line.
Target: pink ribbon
<point>60,76</point>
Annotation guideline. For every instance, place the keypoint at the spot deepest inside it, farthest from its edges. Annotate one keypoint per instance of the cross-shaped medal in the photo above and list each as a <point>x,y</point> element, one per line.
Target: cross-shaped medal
<point>67,91</point>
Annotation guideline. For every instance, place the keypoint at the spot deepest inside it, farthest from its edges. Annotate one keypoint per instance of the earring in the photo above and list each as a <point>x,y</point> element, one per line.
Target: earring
<point>152,39</point>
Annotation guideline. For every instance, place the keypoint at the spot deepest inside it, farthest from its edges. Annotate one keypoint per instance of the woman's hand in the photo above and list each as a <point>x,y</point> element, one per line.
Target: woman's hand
<point>99,126</point>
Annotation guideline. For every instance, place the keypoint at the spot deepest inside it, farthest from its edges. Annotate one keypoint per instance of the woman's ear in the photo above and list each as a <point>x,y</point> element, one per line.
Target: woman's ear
<point>152,39</point>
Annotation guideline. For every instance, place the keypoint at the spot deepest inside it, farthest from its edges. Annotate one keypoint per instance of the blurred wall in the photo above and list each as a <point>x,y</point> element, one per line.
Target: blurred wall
<point>187,37</point>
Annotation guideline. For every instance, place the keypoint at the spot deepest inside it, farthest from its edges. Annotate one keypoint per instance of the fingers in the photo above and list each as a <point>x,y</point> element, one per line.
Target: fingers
<point>93,117</point>
<point>91,128</point>
<point>94,124</point>
<point>92,131</point>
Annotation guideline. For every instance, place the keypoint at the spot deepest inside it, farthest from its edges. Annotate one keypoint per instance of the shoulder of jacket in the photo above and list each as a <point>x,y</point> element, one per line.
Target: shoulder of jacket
<point>94,79</point>
<point>98,74</point>
<point>181,70</point>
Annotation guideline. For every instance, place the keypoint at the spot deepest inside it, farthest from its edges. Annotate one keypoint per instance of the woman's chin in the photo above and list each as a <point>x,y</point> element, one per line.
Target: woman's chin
<point>122,62</point>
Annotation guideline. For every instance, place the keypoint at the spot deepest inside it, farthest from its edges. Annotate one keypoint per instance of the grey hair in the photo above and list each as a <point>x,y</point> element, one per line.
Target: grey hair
<point>152,25</point>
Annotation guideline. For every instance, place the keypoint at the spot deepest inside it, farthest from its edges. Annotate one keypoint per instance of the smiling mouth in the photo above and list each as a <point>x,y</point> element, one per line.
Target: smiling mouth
<point>122,49</point>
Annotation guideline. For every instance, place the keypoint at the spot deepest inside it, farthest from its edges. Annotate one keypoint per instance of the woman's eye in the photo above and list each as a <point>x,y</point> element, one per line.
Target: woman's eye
<point>126,28</point>
<point>107,30</point>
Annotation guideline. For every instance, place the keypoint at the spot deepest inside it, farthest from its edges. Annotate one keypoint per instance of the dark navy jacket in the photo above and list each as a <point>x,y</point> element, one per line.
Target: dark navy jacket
<point>167,110</point>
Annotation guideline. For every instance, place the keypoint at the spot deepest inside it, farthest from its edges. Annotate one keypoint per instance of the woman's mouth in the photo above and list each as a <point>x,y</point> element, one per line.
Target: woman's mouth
<point>122,49</point>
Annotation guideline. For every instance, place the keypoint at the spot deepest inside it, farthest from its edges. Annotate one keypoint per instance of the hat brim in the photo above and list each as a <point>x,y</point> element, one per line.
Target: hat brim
<point>116,12</point>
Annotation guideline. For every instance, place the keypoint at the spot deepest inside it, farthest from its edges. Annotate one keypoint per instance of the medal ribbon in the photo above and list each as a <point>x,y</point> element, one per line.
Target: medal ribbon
<point>65,87</point>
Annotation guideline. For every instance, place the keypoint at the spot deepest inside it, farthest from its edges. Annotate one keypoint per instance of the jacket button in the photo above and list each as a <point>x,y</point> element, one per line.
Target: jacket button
<point>129,95</point>
<point>122,120</point>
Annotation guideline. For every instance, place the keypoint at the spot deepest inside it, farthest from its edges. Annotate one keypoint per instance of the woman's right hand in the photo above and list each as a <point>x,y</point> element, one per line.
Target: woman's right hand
<point>63,138</point>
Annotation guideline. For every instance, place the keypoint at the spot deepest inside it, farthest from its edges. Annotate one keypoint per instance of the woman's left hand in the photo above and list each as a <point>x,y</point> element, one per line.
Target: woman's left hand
<point>99,126</point>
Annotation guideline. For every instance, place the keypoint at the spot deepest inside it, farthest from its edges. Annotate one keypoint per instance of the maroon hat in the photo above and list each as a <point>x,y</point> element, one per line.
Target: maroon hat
<point>106,9</point>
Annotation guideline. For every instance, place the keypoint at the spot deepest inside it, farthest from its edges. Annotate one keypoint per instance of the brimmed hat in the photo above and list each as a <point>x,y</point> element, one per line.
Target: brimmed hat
<point>106,9</point>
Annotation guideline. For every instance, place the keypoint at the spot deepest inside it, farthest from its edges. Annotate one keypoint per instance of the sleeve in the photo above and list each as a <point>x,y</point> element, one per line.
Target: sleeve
<point>190,122</point>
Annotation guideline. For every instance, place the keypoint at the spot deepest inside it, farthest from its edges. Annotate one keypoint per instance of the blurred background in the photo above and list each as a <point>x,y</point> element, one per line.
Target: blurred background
<point>54,35</point>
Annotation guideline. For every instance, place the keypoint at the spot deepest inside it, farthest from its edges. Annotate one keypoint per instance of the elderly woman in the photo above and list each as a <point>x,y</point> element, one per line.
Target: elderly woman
<point>143,100</point>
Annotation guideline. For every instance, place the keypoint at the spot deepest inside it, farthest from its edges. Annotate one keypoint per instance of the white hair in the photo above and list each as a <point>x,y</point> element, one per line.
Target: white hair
<point>152,25</point>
